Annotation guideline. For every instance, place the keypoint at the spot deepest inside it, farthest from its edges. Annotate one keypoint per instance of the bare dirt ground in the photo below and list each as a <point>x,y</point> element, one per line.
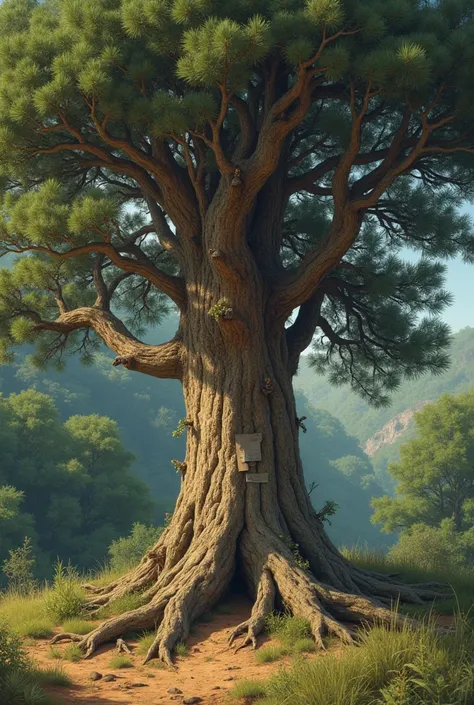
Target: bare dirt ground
<point>208,672</point>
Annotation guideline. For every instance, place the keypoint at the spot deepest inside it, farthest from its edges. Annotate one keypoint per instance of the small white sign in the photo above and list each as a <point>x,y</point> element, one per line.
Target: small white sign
<point>257,477</point>
<point>248,446</point>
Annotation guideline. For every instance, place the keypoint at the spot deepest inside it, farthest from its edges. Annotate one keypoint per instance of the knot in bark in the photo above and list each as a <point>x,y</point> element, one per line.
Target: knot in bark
<point>268,386</point>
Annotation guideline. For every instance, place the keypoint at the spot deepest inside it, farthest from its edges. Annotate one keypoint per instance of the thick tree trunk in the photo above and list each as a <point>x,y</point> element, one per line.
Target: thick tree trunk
<point>236,379</point>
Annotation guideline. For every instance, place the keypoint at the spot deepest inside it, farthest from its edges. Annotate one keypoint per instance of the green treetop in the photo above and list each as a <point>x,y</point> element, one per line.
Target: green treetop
<point>346,127</point>
<point>435,475</point>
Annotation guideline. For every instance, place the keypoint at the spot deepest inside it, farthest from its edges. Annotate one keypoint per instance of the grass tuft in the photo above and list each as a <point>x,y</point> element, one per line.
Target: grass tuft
<point>303,646</point>
<point>181,649</point>
<point>145,641</point>
<point>271,653</point>
<point>55,653</point>
<point>77,626</point>
<point>120,661</point>
<point>72,653</point>
<point>248,689</point>
<point>53,676</point>
<point>36,628</point>
<point>286,628</point>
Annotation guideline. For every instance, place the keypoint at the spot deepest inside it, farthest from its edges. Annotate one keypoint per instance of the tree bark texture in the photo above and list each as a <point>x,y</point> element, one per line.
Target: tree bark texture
<point>236,370</point>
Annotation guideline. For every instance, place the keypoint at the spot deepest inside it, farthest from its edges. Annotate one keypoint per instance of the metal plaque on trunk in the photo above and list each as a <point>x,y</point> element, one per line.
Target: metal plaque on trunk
<point>249,450</point>
<point>256,477</point>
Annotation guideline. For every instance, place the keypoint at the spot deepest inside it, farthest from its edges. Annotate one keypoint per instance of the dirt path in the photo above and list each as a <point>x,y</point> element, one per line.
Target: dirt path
<point>210,670</point>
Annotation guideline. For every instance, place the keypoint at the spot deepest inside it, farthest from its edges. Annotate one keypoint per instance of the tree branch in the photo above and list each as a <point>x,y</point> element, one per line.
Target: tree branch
<point>300,334</point>
<point>163,361</point>
<point>170,285</point>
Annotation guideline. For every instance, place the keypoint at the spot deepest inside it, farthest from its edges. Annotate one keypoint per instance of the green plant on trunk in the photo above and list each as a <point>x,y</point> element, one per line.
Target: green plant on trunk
<point>280,158</point>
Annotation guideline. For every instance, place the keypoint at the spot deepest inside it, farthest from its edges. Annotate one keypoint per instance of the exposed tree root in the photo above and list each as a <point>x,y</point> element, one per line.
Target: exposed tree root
<point>178,594</point>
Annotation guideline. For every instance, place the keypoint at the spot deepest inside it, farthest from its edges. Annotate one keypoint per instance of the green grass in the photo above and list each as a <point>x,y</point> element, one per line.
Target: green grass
<point>248,689</point>
<point>72,653</point>
<point>181,649</point>
<point>145,641</point>
<point>271,653</point>
<point>77,626</point>
<point>40,628</point>
<point>405,667</point>
<point>461,580</point>
<point>55,653</point>
<point>53,676</point>
<point>303,646</point>
<point>21,688</point>
<point>121,605</point>
<point>286,628</point>
<point>120,662</point>
<point>22,611</point>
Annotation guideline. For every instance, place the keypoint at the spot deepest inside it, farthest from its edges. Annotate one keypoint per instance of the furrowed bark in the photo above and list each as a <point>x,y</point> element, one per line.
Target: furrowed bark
<point>236,379</point>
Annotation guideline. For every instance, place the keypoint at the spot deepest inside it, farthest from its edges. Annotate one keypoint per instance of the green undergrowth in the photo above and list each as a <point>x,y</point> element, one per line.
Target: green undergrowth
<point>21,682</point>
<point>293,635</point>
<point>460,580</point>
<point>77,626</point>
<point>72,653</point>
<point>411,666</point>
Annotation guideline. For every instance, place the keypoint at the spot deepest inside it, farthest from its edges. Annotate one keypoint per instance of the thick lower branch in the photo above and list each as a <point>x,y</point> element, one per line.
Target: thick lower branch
<point>163,361</point>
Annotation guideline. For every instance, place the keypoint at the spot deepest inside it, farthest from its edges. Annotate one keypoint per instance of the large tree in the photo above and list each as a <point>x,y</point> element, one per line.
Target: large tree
<point>260,164</point>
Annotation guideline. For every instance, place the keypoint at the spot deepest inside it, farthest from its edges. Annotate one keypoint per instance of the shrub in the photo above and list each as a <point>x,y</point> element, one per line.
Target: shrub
<point>12,655</point>
<point>429,548</point>
<point>126,552</point>
<point>18,568</point>
<point>66,598</point>
<point>18,683</point>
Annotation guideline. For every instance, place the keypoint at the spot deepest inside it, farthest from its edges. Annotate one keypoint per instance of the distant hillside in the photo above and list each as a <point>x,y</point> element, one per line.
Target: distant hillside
<point>363,421</point>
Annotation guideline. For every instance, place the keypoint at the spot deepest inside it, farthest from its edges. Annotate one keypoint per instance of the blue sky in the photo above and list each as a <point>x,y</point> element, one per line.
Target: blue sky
<point>460,282</point>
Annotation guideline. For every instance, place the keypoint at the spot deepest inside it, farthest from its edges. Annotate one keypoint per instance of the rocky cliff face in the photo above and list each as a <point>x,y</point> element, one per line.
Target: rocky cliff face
<point>391,432</point>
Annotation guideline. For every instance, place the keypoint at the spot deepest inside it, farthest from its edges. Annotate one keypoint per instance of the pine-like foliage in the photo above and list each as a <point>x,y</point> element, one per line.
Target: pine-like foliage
<point>121,119</point>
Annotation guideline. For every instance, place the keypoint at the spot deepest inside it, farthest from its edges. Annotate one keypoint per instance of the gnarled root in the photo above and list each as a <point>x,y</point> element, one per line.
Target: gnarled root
<point>263,606</point>
<point>180,593</point>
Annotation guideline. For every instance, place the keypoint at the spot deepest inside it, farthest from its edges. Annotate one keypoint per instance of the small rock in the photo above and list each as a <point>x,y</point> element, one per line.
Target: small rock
<point>196,650</point>
<point>95,676</point>
<point>217,687</point>
<point>139,685</point>
<point>233,668</point>
<point>176,697</point>
<point>109,678</point>
<point>174,691</point>
<point>192,701</point>
<point>229,678</point>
